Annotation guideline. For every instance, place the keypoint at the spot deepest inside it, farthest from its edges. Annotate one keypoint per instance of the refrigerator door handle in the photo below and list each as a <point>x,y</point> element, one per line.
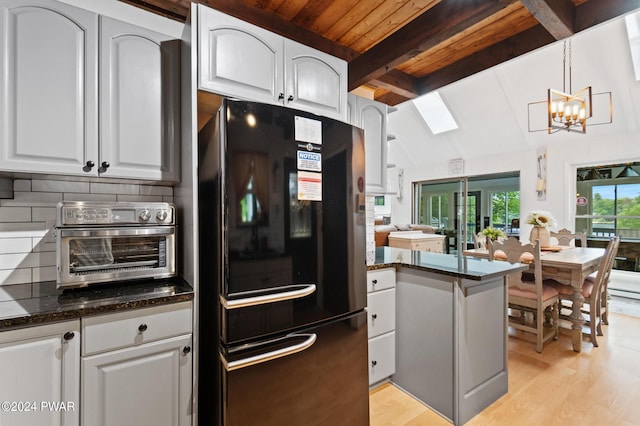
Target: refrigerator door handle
<point>268,356</point>
<point>278,294</point>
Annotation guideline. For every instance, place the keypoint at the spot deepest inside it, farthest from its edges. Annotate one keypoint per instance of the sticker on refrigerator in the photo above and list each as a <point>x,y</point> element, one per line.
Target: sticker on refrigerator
<point>311,161</point>
<point>309,186</point>
<point>308,130</point>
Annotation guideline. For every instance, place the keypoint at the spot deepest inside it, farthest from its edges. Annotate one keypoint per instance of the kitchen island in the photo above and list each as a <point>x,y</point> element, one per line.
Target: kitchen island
<point>451,329</point>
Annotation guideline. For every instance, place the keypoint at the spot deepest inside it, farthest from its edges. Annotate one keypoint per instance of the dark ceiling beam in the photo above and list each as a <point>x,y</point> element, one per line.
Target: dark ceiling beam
<point>398,82</point>
<point>519,44</point>
<point>440,22</point>
<point>557,16</point>
<point>595,12</point>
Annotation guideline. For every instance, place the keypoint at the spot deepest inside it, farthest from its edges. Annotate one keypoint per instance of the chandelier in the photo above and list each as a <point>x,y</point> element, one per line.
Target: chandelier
<point>568,111</point>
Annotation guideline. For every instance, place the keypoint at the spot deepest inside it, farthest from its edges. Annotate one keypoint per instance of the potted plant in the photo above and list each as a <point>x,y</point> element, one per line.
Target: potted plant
<point>492,233</point>
<point>541,221</point>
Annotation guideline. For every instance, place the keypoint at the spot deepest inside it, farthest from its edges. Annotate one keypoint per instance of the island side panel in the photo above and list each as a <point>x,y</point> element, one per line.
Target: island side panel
<point>481,346</point>
<point>424,338</point>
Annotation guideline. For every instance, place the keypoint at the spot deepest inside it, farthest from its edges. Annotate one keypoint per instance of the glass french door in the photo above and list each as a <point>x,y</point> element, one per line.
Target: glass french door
<point>473,216</point>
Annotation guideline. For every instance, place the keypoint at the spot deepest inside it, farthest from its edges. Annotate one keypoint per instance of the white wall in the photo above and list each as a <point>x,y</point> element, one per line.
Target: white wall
<point>492,112</point>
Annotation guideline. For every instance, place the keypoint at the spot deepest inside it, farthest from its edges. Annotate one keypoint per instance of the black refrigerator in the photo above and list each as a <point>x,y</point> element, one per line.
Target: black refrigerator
<point>282,293</point>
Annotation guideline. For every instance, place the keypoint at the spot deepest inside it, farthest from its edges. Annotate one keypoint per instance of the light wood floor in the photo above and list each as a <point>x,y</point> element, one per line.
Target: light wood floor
<point>599,386</point>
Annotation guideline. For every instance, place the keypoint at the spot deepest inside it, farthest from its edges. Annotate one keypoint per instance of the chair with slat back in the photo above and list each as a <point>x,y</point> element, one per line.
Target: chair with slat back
<point>479,241</point>
<point>565,237</point>
<point>532,296</point>
<point>594,292</point>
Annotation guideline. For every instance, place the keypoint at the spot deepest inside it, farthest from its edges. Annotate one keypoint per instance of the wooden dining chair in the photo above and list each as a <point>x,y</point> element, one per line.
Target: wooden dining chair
<point>479,241</point>
<point>525,295</point>
<point>565,237</point>
<point>594,292</point>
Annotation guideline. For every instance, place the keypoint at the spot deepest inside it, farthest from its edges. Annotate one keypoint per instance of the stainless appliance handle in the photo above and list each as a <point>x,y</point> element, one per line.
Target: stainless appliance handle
<point>115,232</point>
<point>268,356</point>
<point>259,297</point>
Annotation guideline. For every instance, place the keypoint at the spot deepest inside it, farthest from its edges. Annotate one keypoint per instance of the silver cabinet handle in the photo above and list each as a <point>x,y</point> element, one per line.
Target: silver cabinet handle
<point>268,356</point>
<point>276,294</point>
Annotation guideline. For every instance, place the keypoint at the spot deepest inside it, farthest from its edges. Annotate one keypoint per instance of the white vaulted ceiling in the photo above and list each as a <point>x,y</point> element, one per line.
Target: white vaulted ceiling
<point>491,107</point>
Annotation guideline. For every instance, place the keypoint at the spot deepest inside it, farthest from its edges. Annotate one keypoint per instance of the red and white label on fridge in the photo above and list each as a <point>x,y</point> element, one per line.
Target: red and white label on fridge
<point>309,186</point>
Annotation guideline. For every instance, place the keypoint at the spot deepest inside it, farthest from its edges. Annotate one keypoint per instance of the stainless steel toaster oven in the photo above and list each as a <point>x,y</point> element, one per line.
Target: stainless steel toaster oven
<point>106,242</point>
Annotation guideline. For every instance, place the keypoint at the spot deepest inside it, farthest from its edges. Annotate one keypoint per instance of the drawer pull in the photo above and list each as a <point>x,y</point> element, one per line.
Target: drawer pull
<point>186,350</point>
<point>142,328</point>
<point>69,335</point>
<point>374,316</point>
<point>374,363</point>
<point>374,282</point>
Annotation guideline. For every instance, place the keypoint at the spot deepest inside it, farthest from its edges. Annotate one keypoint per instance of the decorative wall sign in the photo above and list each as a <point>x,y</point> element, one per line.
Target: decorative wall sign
<point>541,183</point>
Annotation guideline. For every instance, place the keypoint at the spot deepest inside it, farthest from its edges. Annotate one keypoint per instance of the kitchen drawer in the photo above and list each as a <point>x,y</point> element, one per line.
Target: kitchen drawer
<point>381,279</point>
<point>382,357</point>
<point>122,329</point>
<point>436,246</point>
<point>381,308</point>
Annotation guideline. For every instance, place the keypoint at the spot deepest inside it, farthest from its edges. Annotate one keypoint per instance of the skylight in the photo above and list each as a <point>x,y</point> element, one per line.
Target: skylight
<point>435,113</point>
<point>633,32</point>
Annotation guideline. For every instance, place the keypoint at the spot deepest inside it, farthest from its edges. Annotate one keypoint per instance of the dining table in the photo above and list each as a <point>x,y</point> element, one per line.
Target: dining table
<point>569,266</point>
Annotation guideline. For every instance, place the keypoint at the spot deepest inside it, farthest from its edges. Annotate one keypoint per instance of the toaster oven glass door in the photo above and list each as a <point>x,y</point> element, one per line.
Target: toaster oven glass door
<point>88,256</point>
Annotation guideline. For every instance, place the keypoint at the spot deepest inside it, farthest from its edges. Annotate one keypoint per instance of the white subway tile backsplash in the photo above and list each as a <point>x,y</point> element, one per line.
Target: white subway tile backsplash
<point>15,292</point>
<point>114,188</point>
<point>30,199</point>
<point>40,244</point>
<point>19,230</point>
<point>42,214</point>
<point>15,276</point>
<point>27,260</point>
<point>45,273</point>
<point>156,190</point>
<point>58,186</point>
<point>22,185</point>
<point>27,244</point>
<point>75,196</point>
<point>15,245</point>
<point>147,198</point>
<point>15,214</point>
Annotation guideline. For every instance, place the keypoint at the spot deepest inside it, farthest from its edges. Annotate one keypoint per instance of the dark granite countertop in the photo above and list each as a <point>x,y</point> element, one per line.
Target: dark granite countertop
<point>49,304</point>
<point>447,264</point>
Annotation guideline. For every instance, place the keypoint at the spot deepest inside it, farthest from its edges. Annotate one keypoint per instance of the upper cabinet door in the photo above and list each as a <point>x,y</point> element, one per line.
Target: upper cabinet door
<point>315,81</point>
<point>48,96</point>
<point>139,103</point>
<point>239,59</point>
<point>372,117</point>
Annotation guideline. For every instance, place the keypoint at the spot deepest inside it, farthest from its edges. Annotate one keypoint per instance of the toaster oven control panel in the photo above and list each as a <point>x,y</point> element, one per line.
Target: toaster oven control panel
<point>126,213</point>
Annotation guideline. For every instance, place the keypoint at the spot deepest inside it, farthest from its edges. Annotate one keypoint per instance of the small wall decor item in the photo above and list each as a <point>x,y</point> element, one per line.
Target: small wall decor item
<point>541,182</point>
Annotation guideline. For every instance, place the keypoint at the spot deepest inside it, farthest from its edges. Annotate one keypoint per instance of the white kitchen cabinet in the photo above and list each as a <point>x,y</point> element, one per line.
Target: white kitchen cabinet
<point>242,60</point>
<point>49,89</point>
<point>50,94</point>
<point>371,116</point>
<point>40,371</point>
<point>381,313</point>
<point>139,103</point>
<point>137,367</point>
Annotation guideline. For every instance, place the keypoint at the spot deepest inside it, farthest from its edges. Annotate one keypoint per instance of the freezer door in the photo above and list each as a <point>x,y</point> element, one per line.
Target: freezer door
<point>313,377</point>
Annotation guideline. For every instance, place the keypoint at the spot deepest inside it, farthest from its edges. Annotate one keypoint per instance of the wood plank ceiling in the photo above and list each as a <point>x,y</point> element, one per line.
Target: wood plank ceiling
<point>401,49</point>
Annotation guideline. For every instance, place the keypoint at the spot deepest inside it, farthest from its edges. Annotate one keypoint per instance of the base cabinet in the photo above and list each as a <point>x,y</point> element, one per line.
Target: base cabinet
<point>381,322</point>
<point>137,367</point>
<point>145,385</point>
<point>40,375</point>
